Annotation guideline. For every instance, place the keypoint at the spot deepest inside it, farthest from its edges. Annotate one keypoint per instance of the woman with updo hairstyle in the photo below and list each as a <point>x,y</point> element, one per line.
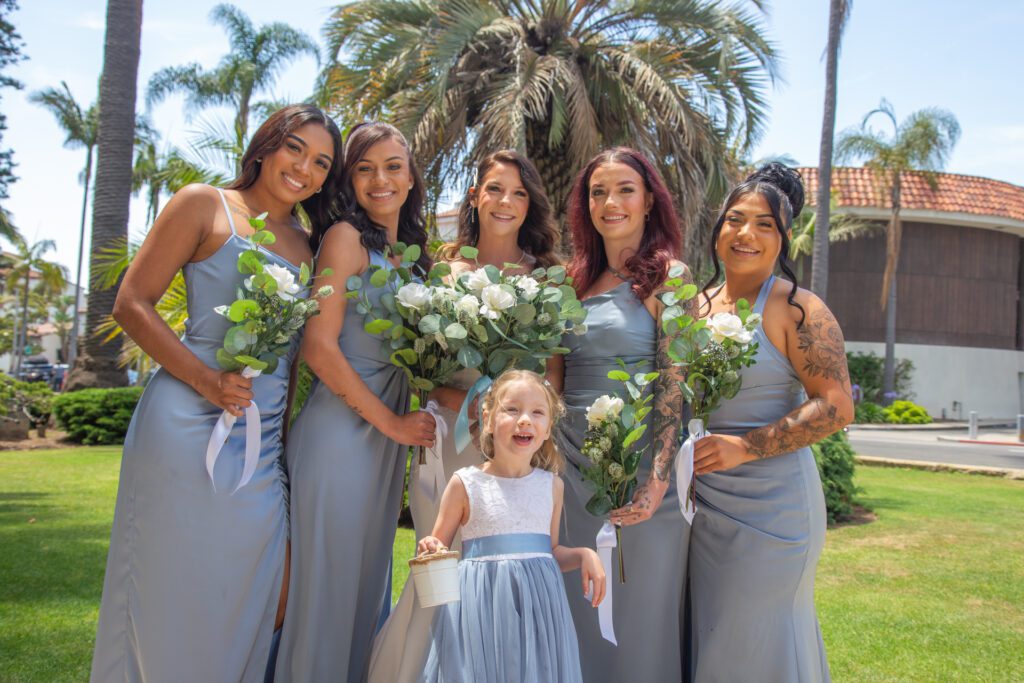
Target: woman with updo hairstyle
<point>626,237</point>
<point>347,450</point>
<point>195,570</point>
<point>760,522</point>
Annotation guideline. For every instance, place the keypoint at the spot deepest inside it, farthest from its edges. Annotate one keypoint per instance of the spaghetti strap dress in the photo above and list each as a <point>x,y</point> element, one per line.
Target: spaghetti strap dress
<point>756,539</point>
<point>346,494</point>
<point>646,607</point>
<point>194,572</point>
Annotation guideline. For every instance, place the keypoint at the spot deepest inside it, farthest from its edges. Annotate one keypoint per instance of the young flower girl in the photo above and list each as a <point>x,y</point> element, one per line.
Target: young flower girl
<point>513,621</point>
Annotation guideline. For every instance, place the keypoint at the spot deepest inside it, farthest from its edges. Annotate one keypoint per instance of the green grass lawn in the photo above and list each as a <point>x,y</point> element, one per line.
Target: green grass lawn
<point>931,591</point>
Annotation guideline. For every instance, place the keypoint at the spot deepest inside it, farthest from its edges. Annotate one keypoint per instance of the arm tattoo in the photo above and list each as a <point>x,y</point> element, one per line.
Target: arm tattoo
<point>667,416</point>
<point>821,342</point>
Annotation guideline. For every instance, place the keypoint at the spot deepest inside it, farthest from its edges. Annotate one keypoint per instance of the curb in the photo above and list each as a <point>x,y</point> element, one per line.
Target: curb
<point>1005,472</point>
<point>980,442</point>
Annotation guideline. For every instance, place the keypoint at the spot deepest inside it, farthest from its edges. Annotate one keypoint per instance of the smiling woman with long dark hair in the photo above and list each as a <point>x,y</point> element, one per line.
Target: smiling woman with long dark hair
<point>194,574</point>
<point>760,522</point>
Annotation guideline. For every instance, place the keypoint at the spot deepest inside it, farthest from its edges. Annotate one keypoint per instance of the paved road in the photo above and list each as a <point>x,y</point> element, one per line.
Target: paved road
<point>925,446</point>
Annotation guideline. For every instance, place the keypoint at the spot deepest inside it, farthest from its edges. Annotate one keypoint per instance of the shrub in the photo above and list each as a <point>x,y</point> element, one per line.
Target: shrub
<point>97,416</point>
<point>32,399</point>
<point>906,413</point>
<point>867,412</point>
<point>867,369</point>
<point>834,457</point>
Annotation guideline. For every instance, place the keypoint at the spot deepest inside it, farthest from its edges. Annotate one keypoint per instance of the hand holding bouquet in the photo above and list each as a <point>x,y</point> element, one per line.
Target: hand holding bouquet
<point>266,315</point>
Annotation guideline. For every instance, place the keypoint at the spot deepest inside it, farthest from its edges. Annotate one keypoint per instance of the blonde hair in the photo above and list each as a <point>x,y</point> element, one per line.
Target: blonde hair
<point>547,456</point>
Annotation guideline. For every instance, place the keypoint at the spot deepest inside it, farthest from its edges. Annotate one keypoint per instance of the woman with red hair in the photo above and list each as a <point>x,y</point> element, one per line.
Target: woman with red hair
<point>625,236</point>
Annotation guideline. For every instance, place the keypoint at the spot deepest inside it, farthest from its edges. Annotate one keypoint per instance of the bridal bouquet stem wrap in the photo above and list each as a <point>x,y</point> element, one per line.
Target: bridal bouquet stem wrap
<point>267,315</point>
<point>712,351</point>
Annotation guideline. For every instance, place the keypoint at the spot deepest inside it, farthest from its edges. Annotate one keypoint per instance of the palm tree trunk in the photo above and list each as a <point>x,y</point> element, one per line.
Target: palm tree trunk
<point>892,259</point>
<point>72,353</point>
<point>889,369</point>
<point>97,365</point>
<point>23,333</point>
<point>819,266</point>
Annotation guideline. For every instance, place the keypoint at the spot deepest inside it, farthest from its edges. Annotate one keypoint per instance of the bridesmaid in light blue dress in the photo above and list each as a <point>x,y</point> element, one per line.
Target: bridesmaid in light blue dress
<point>760,522</point>
<point>194,573</point>
<point>625,237</point>
<point>347,450</point>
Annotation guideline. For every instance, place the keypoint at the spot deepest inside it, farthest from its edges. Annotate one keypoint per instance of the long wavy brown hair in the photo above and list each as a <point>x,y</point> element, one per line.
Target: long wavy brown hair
<point>538,235</point>
<point>547,457</point>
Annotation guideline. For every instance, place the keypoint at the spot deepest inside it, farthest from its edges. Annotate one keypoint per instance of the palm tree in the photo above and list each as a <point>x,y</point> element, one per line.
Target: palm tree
<point>922,142</point>
<point>64,322</point>
<point>557,80</point>
<point>256,59</point>
<point>81,127</point>
<point>27,262</point>
<point>97,364</point>
<point>839,13</point>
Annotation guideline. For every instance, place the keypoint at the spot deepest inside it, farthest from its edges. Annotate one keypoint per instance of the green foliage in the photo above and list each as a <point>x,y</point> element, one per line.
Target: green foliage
<point>33,399</point>
<point>96,416</point>
<point>867,412</point>
<point>834,457</point>
<point>10,54</point>
<point>867,369</point>
<point>906,413</point>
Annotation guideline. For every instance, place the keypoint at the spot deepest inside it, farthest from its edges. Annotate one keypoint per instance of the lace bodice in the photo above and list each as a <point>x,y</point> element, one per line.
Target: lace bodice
<point>501,505</point>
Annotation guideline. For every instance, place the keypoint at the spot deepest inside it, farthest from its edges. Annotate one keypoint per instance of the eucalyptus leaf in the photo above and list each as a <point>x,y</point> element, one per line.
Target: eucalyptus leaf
<point>304,274</point>
<point>430,324</point>
<point>375,327</point>
<point>455,331</point>
<point>618,375</point>
<point>241,309</point>
<point>379,277</point>
<point>469,357</point>
<point>470,253</point>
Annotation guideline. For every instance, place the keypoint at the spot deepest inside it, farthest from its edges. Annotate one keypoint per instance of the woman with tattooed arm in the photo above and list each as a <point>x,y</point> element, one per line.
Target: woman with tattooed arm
<point>760,523</point>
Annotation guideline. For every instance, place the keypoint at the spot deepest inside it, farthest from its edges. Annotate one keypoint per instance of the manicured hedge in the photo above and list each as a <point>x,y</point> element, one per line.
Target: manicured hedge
<point>907,413</point>
<point>835,466</point>
<point>96,416</point>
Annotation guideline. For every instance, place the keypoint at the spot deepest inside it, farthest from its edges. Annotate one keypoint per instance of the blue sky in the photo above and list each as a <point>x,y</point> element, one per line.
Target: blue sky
<point>965,57</point>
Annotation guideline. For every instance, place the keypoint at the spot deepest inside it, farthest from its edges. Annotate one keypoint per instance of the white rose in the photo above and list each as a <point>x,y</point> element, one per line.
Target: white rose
<point>414,296</point>
<point>728,326</point>
<point>477,280</point>
<point>605,408</point>
<point>287,287</point>
<point>495,300</point>
<point>528,286</point>
<point>468,305</point>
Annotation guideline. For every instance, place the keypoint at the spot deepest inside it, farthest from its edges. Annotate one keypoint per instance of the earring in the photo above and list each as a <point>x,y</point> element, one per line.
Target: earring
<point>318,189</point>
<point>259,160</point>
<point>474,218</point>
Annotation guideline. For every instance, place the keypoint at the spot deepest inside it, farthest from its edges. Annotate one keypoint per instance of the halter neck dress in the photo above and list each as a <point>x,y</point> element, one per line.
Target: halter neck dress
<point>756,539</point>
<point>346,493</point>
<point>646,607</point>
<point>194,574</point>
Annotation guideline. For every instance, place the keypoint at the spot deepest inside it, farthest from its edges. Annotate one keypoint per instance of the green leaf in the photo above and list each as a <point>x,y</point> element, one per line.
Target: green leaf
<point>250,262</point>
<point>304,274</point>
<point>407,356</point>
<point>676,270</point>
<point>440,270</point>
<point>524,313</point>
<point>556,274</point>
<point>430,324</point>
<point>455,331</point>
<point>469,357</point>
<point>469,253</point>
<point>387,300</point>
<point>635,434</point>
<point>493,274</point>
<point>618,375</point>
<point>375,327</point>
<point>227,360</point>
<point>236,340</point>
<point>411,254</point>
<point>326,272</point>
<point>242,309</point>
<point>627,416</point>
<point>422,384</point>
<point>263,237</point>
<point>686,292</point>
<point>600,505</point>
<point>254,363</point>
<point>379,278</point>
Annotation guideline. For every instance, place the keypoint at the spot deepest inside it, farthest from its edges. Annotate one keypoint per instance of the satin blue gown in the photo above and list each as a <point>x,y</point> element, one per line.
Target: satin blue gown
<point>346,493</point>
<point>756,539</point>
<point>646,607</point>
<point>193,574</point>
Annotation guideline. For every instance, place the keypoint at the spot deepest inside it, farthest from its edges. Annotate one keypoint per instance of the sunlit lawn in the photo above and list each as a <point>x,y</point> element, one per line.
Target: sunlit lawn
<point>931,591</point>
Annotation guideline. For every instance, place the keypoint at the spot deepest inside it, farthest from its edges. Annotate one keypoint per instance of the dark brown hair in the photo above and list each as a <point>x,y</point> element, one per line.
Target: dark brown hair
<point>322,207</point>
<point>538,235</point>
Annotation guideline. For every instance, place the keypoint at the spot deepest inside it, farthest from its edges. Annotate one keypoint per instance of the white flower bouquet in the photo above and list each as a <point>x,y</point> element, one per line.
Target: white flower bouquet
<point>712,351</point>
<point>614,426</point>
<point>267,315</point>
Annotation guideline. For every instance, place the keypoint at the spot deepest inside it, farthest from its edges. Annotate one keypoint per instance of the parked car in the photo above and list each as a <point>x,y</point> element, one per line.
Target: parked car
<point>37,369</point>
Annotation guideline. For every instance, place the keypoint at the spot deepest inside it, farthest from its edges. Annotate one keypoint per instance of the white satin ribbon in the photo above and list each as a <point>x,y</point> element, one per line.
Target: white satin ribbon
<point>605,615</point>
<point>430,480</point>
<point>684,469</point>
<point>222,430</point>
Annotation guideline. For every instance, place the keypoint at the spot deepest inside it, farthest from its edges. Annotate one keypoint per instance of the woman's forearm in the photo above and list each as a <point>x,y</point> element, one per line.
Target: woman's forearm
<point>327,361</point>
<point>809,423</point>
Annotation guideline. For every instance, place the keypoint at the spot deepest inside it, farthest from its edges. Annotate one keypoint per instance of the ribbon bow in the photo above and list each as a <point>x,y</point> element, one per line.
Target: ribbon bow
<point>222,430</point>
<point>462,437</point>
<point>430,480</point>
<point>684,470</point>
<point>605,615</point>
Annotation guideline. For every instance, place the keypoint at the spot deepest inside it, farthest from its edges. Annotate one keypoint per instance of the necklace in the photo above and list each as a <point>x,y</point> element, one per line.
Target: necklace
<point>618,274</point>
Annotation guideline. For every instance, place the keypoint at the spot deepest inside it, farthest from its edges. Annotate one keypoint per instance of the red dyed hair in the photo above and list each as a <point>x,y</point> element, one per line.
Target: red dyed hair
<point>662,240</point>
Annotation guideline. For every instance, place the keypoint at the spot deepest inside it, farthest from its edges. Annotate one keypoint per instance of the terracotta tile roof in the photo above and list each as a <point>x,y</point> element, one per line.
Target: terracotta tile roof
<point>954,194</point>
<point>449,212</point>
